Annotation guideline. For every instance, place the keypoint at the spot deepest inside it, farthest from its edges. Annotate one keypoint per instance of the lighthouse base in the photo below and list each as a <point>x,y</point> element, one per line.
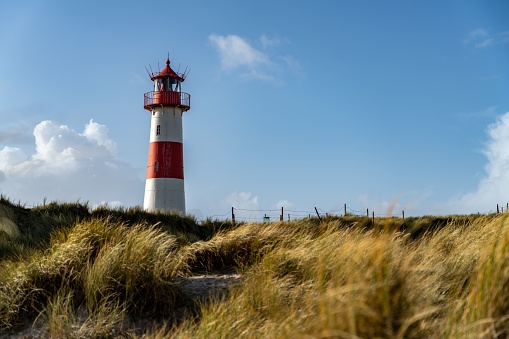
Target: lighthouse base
<point>164,194</point>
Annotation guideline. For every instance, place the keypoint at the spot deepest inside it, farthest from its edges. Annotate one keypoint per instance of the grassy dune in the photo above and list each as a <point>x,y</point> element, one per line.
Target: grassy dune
<point>69,271</point>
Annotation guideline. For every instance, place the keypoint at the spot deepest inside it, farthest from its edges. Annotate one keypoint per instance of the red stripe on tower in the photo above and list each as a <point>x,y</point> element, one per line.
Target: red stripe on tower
<point>165,160</point>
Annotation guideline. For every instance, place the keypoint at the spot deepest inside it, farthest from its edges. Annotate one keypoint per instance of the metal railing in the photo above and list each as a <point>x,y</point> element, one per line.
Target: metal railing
<point>158,98</point>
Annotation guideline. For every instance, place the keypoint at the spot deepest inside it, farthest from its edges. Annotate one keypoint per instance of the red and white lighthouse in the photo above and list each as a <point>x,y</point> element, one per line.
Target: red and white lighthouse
<point>164,186</point>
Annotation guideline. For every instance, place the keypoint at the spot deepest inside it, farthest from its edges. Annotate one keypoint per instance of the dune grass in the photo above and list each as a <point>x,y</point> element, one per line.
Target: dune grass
<point>369,283</point>
<point>36,225</point>
<point>100,267</point>
<point>76,272</point>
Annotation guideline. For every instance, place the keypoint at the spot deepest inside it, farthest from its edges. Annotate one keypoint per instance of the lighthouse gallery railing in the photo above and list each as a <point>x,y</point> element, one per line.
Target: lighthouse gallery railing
<point>157,98</point>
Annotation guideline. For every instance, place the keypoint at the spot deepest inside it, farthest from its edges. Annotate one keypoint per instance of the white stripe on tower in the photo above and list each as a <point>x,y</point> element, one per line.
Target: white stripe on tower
<point>164,186</point>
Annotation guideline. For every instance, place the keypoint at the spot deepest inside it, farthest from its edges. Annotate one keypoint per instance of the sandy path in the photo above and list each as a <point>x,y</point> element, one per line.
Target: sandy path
<point>202,287</point>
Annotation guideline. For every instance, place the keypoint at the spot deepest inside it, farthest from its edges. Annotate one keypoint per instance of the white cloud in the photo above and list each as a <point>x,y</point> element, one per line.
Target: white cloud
<point>493,188</point>
<point>97,133</point>
<point>69,166</point>
<point>481,38</point>
<point>10,158</point>
<point>242,200</point>
<point>236,52</point>
<point>285,204</point>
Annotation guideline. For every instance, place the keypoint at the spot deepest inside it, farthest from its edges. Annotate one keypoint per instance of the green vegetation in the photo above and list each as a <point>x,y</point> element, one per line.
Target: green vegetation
<point>67,270</point>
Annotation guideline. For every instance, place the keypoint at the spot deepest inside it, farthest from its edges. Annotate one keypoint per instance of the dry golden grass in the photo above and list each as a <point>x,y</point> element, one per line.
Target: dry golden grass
<point>366,283</point>
<point>109,269</point>
<point>348,277</point>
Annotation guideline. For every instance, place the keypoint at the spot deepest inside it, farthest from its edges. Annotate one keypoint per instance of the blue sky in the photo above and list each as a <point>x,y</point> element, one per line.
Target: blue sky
<point>380,105</point>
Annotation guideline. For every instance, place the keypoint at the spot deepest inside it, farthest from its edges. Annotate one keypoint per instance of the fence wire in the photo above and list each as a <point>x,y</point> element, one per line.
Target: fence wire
<point>264,215</point>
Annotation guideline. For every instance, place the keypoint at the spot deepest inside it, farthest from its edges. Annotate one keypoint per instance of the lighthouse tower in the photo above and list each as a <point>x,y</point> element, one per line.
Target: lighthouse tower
<point>164,186</point>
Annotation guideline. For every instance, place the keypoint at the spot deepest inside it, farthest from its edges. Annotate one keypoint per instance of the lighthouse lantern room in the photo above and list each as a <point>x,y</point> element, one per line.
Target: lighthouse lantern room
<point>164,186</point>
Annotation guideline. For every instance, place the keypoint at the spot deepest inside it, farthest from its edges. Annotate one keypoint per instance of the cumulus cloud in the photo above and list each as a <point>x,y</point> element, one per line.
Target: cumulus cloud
<point>69,166</point>
<point>238,54</point>
<point>481,38</point>
<point>493,188</point>
<point>10,159</point>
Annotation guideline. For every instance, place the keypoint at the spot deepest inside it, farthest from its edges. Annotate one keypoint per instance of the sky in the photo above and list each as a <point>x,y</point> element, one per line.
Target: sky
<point>382,106</point>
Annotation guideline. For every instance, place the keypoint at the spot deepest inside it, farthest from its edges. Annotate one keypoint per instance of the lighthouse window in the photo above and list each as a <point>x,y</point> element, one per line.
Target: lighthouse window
<point>159,85</point>
<point>158,129</point>
<point>156,166</point>
<point>173,84</point>
<point>166,84</point>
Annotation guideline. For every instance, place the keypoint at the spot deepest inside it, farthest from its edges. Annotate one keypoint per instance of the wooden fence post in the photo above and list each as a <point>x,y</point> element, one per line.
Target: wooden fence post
<point>233,217</point>
<point>367,212</point>
<point>345,211</point>
<point>281,217</point>
<point>318,214</point>
<point>403,215</point>
<point>373,218</point>
<point>497,209</point>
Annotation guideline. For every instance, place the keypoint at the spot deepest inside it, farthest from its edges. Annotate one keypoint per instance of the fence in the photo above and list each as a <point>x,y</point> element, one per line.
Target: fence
<point>282,214</point>
<point>500,209</point>
<point>255,215</point>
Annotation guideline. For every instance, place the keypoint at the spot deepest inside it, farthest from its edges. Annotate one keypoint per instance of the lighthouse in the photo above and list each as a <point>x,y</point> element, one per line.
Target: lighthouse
<point>164,185</point>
